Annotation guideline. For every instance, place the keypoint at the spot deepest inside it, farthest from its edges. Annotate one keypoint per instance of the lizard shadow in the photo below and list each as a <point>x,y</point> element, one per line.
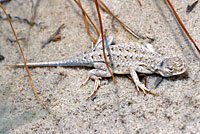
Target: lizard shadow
<point>158,78</point>
<point>179,77</point>
<point>144,78</point>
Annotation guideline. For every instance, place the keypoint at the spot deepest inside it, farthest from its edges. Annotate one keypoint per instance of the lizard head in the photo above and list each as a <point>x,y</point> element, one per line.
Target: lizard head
<point>171,66</point>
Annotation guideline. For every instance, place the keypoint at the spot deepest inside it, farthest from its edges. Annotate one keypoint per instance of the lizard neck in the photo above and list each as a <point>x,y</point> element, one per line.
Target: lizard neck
<point>155,66</point>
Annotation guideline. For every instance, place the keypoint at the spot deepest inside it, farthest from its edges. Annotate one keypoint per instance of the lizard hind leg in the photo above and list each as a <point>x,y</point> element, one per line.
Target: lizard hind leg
<point>97,84</point>
<point>97,74</point>
<point>107,40</point>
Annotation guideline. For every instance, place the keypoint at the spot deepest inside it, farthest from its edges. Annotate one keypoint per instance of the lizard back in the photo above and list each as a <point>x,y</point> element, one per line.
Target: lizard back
<point>121,56</point>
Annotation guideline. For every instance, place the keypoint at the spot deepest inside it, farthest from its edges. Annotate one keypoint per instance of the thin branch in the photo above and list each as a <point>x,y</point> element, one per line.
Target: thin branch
<point>16,18</point>
<point>139,3</point>
<point>104,53</point>
<point>52,36</point>
<point>88,18</point>
<point>25,61</point>
<point>126,27</point>
<point>182,25</point>
<point>34,10</point>
<point>86,25</point>
<point>191,7</point>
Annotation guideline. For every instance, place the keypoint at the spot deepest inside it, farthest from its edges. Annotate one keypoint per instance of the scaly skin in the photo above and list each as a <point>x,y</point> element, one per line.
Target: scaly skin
<point>124,58</point>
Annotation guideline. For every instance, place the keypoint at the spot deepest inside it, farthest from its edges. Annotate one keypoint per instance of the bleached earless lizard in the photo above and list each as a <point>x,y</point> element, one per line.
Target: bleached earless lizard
<point>125,58</point>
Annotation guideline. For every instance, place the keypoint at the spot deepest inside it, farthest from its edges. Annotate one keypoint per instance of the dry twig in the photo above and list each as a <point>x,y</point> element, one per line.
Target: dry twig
<point>51,38</point>
<point>24,61</point>
<point>182,25</point>
<point>104,53</point>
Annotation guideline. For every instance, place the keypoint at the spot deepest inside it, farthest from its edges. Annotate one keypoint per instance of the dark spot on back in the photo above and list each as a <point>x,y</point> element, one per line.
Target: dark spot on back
<point>1,57</point>
<point>131,57</point>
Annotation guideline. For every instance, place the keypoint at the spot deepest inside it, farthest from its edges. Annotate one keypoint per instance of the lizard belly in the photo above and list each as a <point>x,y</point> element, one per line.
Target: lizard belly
<point>121,72</point>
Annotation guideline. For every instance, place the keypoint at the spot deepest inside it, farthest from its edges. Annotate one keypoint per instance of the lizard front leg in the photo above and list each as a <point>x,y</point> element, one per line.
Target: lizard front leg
<point>138,84</point>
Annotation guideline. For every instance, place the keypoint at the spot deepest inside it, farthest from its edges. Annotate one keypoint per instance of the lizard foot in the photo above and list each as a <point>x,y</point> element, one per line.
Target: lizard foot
<point>144,89</point>
<point>137,82</point>
<point>97,84</point>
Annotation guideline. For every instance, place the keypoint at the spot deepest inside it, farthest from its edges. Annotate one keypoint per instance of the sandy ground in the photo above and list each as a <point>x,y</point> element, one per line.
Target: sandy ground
<point>117,108</point>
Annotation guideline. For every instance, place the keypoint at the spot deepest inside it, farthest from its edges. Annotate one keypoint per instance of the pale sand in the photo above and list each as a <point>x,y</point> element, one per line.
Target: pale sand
<point>118,108</point>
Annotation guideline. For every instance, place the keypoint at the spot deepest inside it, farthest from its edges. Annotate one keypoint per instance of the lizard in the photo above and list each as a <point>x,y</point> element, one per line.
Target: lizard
<point>123,58</point>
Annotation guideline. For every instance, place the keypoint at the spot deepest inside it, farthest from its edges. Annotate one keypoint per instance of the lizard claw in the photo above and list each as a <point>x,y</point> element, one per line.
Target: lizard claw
<point>88,78</point>
<point>97,84</point>
<point>145,90</point>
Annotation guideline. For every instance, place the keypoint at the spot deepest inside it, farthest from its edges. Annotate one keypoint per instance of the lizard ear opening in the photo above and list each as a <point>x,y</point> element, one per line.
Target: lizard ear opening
<point>161,68</point>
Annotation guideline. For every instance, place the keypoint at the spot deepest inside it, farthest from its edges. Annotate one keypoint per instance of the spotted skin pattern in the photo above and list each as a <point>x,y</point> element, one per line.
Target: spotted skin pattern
<point>125,58</point>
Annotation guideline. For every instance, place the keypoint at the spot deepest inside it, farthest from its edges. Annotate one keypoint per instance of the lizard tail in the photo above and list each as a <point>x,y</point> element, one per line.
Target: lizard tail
<point>53,64</point>
<point>71,62</point>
